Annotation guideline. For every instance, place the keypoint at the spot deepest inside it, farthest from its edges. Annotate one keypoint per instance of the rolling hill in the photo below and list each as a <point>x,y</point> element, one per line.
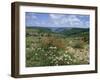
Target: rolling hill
<point>66,31</point>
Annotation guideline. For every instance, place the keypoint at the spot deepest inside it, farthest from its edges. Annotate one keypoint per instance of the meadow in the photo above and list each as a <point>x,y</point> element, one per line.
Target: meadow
<point>56,46</point>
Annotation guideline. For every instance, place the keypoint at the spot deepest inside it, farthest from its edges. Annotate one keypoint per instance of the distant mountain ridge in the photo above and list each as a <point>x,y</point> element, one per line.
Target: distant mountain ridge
<point>55,29</point>
<point>68,31</point>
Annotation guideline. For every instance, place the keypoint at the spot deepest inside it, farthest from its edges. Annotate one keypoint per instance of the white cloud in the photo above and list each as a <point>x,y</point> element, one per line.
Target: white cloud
<point>75,21</point>
<point>87,23</point>
<point>58,19</point>
<point>66,20</point>
<point>73,18</point>
<point>31,19</point>
<point>56,16</point>
<point>34,17</point>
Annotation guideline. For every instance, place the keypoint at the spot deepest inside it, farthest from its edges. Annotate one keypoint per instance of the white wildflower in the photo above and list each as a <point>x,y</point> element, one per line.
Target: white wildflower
<point>66,51</point>
<point>53,47</point>
<point>67,62</point>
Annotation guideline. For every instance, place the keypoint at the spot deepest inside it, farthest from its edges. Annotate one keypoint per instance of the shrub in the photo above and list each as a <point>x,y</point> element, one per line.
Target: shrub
<point>77,45</point>
<point>54,42</point>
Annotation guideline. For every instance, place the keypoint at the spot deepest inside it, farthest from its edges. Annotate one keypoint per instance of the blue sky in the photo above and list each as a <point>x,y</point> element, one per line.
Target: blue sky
<point>57,20</point>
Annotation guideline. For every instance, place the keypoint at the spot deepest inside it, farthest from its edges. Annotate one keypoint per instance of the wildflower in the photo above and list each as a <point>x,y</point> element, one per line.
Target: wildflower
<point>53,47</point>
<point>66,59</point>
<point>36,54</point>
<point>65,55</point>
<point>39,48</point>
<point>67,62</point>
<point>66,51</point>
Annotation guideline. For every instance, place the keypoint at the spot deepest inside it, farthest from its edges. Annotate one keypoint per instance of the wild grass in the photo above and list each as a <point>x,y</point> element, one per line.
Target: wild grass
<point>52,50</point>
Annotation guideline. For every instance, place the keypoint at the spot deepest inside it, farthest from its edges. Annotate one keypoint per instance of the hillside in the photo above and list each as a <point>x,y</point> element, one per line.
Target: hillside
<point>53,46</point>
<point>66,31</point>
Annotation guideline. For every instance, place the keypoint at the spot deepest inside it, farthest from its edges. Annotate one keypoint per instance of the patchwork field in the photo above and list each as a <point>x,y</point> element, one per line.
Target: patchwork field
<point>56,46</point>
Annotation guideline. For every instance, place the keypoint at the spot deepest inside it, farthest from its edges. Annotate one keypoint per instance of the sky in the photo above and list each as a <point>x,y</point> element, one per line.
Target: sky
<point>56,20</point>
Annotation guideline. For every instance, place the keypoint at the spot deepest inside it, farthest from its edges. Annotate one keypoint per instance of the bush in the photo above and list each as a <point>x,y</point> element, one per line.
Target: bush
<point>77,45</point>
<point>53,42</point>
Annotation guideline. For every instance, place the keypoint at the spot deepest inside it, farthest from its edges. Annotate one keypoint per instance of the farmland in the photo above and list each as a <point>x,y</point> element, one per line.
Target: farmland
<point>56,46</point>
